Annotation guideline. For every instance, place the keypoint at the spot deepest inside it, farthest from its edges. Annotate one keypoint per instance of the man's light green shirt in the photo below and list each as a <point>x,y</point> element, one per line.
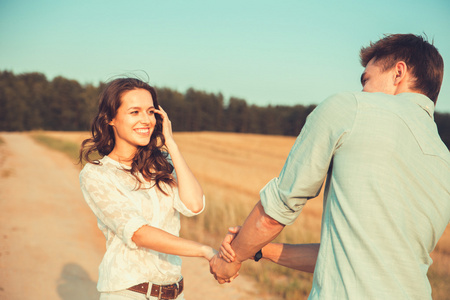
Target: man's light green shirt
<point>387,194</point>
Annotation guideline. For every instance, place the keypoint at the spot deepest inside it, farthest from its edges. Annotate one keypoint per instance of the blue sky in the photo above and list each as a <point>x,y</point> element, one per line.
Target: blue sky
<point>266,52</point>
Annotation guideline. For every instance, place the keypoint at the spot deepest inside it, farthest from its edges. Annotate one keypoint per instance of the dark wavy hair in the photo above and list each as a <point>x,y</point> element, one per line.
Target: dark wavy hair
<point>150,160</point>
<point>427,65</point>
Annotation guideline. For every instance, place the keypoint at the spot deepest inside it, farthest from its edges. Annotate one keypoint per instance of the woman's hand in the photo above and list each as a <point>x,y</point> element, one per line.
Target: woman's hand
<point>226,252</point>
<point>166,124</point>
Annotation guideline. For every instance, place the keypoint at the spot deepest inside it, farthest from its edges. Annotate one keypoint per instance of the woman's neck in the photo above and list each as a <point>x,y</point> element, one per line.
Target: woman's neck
<point>125,158</point>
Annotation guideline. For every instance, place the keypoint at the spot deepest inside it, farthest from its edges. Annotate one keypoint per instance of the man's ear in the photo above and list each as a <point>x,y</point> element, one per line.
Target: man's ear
<point>400,72</point>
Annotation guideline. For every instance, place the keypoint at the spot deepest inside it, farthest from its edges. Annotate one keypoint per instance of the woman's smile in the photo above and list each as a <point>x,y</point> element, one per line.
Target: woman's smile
<point>143,131</point>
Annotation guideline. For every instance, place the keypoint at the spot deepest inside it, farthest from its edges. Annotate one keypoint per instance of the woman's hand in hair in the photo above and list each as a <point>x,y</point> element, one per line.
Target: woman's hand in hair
<point>166,125</point>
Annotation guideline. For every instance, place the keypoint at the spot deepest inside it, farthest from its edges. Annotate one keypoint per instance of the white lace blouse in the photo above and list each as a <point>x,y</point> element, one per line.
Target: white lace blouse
<point>121,210</point>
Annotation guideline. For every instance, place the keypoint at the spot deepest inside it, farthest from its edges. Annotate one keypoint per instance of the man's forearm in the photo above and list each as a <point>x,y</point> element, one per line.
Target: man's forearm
<point>258,230</point>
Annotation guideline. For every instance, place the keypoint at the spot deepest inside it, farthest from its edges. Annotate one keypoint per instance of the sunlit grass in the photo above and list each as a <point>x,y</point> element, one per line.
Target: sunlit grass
<point>69,148</point>
<point>54,140</point>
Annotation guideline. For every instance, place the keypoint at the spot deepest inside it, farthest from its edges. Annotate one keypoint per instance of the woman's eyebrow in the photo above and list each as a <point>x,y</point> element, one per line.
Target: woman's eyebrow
<point>134,108</point>
<point>139,108</point>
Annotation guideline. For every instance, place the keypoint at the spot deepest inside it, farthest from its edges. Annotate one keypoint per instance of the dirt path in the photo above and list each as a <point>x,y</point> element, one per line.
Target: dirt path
<point>50,246</point>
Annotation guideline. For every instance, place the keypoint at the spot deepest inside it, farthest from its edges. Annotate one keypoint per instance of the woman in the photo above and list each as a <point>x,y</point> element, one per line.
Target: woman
<point>137,190</point>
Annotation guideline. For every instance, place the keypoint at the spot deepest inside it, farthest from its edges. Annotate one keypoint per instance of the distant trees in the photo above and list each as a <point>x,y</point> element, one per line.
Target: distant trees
<point>29,101</point>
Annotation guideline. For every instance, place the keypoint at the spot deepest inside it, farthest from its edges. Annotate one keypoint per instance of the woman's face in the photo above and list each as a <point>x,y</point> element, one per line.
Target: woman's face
<point>134,122</point>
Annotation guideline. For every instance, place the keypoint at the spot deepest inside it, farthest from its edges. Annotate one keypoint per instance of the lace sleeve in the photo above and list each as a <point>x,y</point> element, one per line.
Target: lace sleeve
<point>110,205</point>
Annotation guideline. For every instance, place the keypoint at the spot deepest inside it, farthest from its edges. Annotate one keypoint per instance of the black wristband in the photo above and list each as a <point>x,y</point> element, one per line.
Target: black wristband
<point>258,255</point>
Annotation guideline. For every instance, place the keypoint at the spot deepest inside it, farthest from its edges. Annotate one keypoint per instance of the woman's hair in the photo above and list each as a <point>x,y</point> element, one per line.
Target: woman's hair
<point>427,65</point>
<point>150,160</point>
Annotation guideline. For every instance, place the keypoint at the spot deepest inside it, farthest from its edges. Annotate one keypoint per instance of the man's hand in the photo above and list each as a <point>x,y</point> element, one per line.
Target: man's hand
<point>224,272</point>
<point>226,252</point>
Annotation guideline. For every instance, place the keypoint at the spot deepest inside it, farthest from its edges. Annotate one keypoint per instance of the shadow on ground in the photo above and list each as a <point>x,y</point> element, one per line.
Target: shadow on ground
<point>75,284</point>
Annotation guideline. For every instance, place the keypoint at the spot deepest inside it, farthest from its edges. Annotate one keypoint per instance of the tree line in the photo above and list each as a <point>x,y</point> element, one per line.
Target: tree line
<point>29,101</point>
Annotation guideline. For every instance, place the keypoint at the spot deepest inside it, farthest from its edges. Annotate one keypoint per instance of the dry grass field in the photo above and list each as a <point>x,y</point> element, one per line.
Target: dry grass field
<point>232,168</point>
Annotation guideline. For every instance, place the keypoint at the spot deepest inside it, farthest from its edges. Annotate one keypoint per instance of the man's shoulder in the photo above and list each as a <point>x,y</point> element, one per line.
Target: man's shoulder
<point>345,96</point>
<point>337,108</point>
<point>395,103</point>
<point>366,100</point>
<point>347,104</point>
<point>338,102</point>
<point>355,101</point>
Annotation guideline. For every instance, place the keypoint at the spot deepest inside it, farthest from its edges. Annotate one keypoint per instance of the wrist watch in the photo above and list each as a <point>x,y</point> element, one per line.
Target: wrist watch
<point>258,255</point>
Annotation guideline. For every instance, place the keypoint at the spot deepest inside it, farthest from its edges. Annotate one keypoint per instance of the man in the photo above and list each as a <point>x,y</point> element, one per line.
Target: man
<point>387,190</point>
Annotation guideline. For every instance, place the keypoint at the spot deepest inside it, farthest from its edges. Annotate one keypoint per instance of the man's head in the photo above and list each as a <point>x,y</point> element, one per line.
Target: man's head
<point>402,62</point>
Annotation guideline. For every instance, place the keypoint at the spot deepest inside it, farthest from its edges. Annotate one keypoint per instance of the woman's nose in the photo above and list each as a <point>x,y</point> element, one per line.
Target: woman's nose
<point>145,118</point>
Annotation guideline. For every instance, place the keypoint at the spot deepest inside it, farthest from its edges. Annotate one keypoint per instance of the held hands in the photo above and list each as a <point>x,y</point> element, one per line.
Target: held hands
<point>217,268</point>
<point>222,271</point>
<point>224,265</point>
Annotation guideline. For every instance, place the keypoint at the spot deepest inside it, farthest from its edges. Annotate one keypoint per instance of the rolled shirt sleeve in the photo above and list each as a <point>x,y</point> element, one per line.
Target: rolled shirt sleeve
<point>180,207</point>
<point>310,158</point>
<point>130,228</point>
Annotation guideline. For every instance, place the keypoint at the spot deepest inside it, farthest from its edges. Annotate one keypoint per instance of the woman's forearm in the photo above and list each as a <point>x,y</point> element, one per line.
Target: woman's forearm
<point>301,257</point>
<point>189,189</point>
<point>164,242</point>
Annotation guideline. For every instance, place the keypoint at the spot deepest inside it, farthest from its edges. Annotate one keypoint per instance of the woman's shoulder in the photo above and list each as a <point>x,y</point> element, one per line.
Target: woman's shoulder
<point>94,169</point>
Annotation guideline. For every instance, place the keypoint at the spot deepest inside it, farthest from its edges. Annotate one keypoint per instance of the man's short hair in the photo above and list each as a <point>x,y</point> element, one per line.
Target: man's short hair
<point>421,57</point>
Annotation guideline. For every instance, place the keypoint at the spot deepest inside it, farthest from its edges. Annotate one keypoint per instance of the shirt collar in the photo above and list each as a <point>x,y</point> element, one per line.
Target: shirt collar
<point>423,101</point>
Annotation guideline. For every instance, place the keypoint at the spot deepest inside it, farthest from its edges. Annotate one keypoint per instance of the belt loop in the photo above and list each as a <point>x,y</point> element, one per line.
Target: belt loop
<point>149,291</point>
<point>175,294</point>
<point>160,292</point>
